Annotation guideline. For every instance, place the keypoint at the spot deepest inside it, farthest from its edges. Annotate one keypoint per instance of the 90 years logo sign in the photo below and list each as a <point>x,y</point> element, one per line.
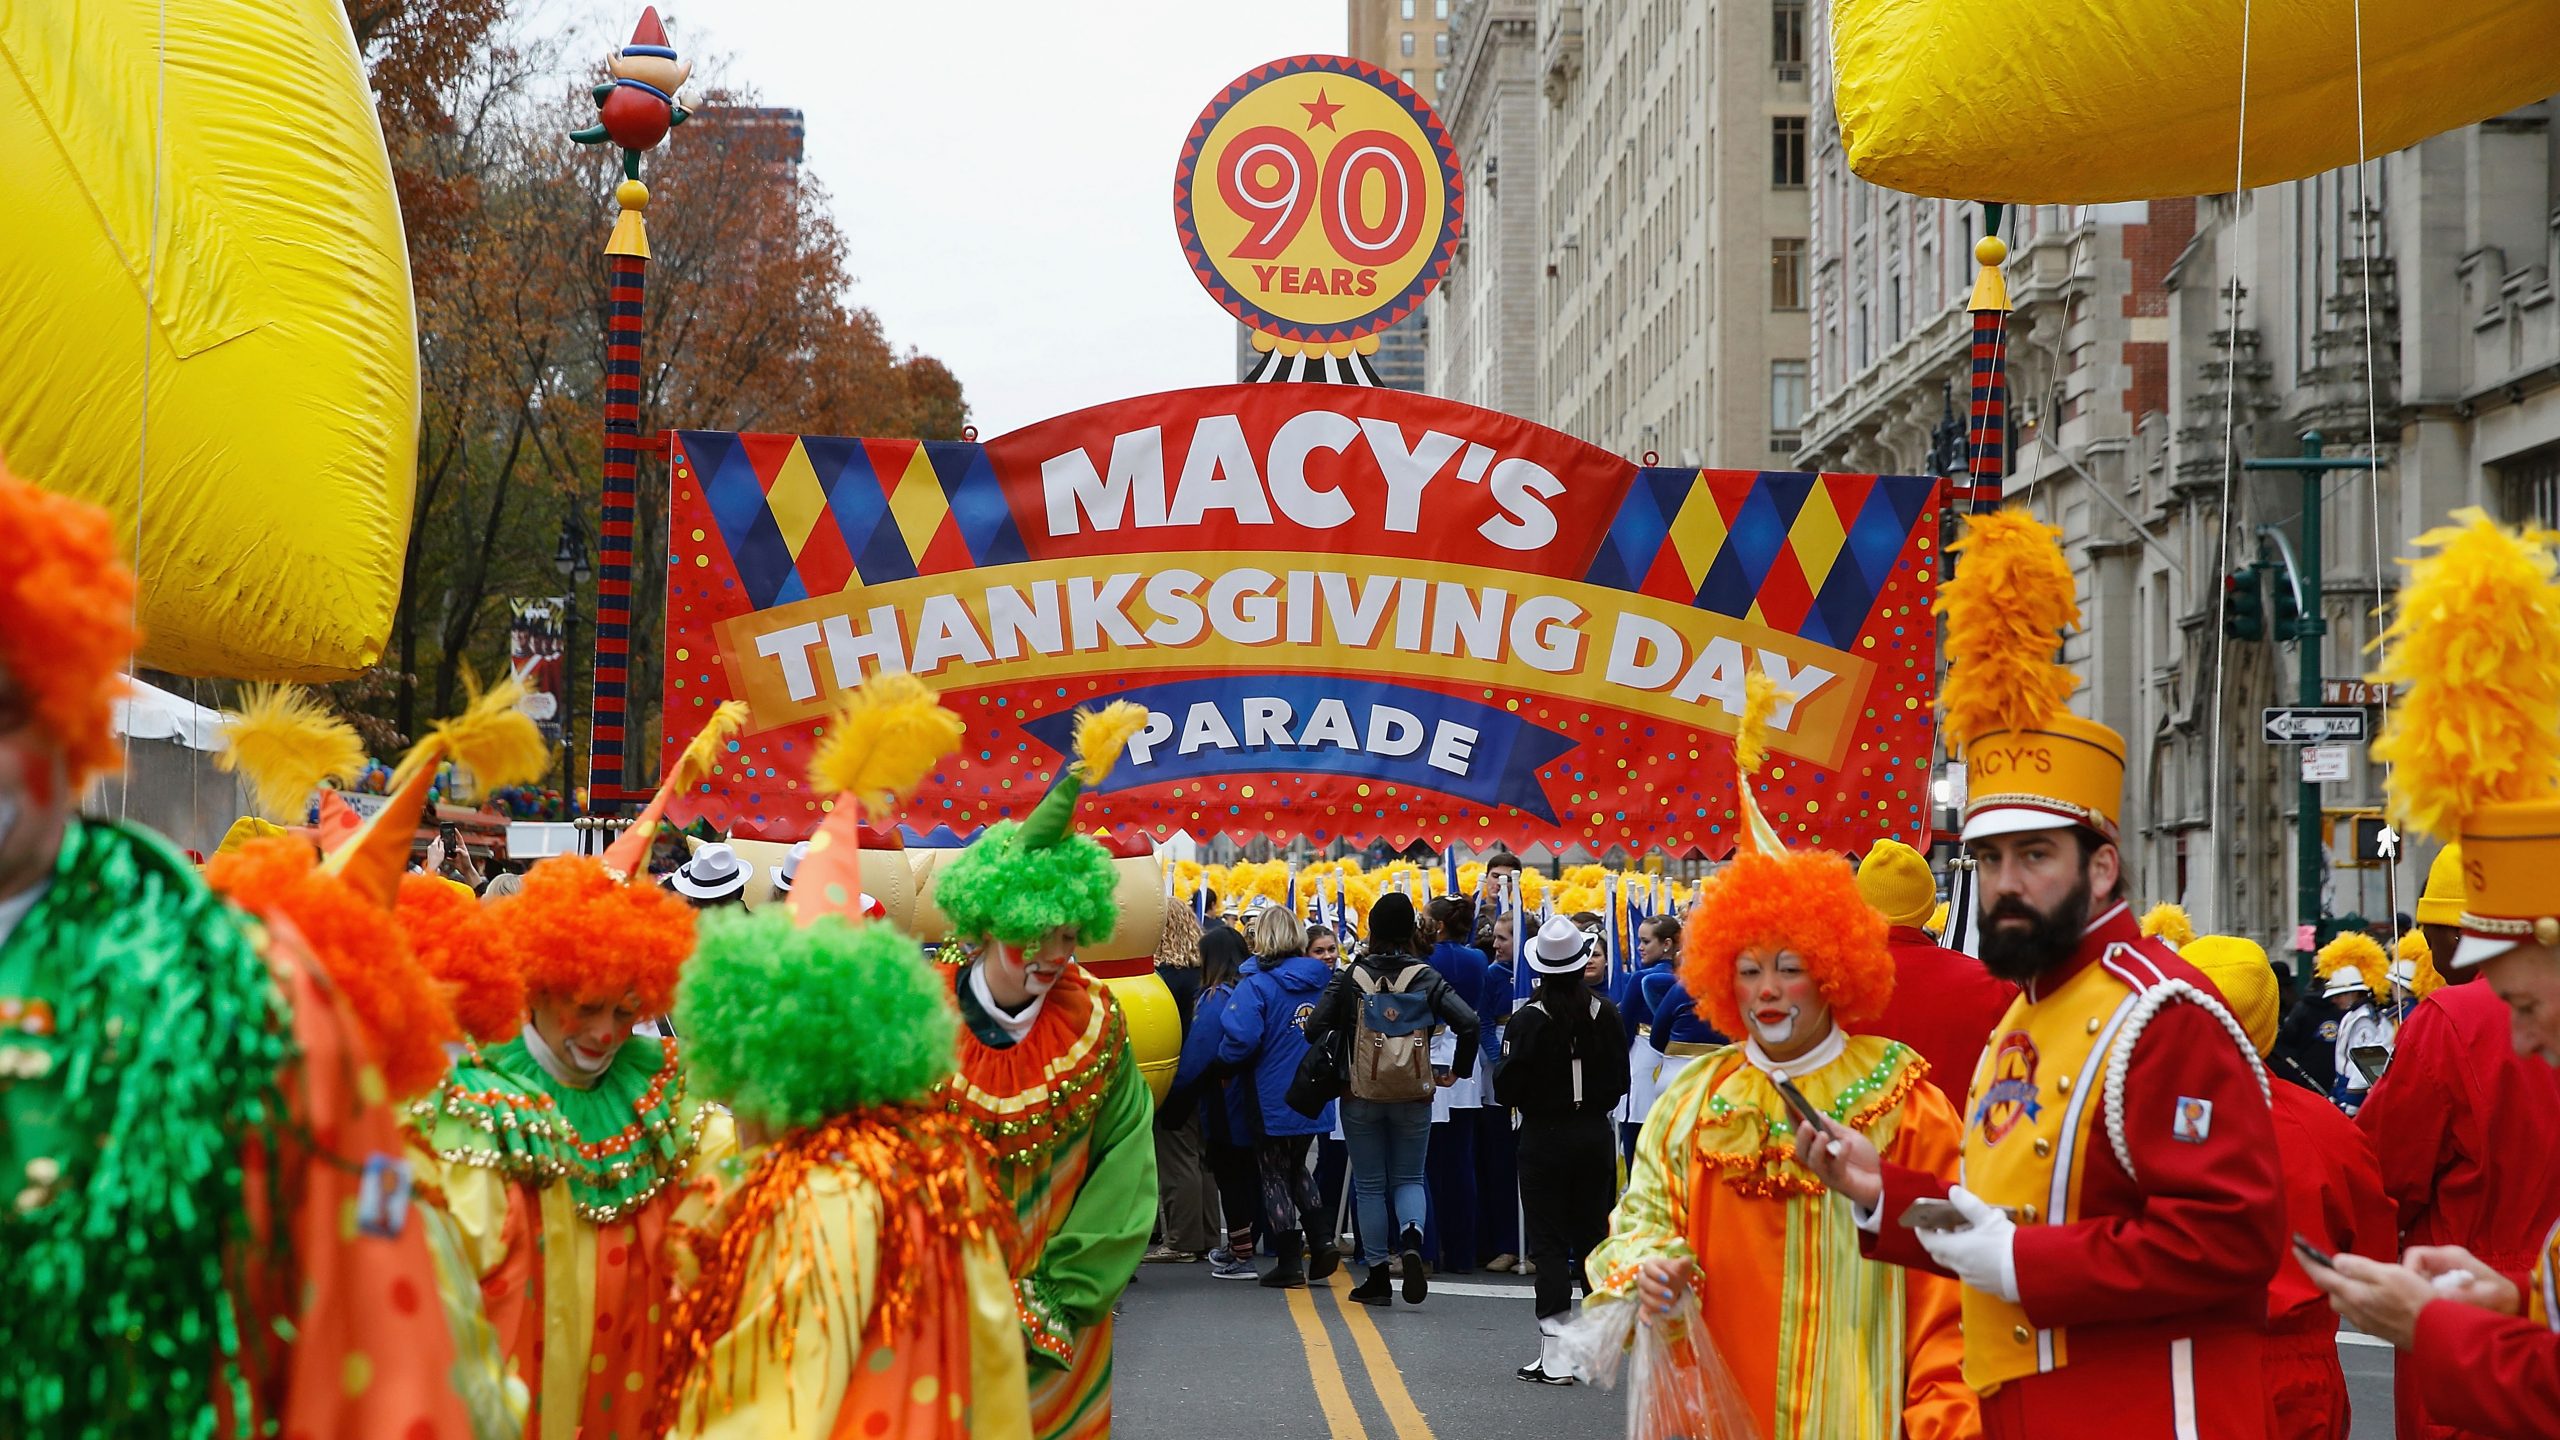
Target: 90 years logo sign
<point>1318,199</point>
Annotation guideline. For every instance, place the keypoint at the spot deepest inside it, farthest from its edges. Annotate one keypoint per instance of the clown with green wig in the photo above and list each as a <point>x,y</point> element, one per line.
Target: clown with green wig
<point>1047,1076</point>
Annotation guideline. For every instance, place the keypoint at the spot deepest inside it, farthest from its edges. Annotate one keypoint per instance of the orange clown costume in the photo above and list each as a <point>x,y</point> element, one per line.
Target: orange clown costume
<point>2119,1115</point>
<point>210,1232</point>
<point>1821,1344</point>
<point>567,1195</point>
<point>856,1281</point>
<point>1053,1086</point>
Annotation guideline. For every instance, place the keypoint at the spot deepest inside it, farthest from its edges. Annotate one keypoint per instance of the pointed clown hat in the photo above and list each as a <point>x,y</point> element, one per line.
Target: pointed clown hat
<point>2029,763</point>
<point>627,858</point>
<point>1770,899</point>
<point>884,739</point>
<point>1025,879</point>
<point>2474,748</point>
<point>492,738</point>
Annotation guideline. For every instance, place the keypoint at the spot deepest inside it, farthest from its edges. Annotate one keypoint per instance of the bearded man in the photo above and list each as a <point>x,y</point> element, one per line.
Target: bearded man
<point>2121,1213</point>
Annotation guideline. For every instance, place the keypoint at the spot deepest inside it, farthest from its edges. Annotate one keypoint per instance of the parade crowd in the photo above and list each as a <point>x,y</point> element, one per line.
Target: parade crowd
<point>310,1142</point>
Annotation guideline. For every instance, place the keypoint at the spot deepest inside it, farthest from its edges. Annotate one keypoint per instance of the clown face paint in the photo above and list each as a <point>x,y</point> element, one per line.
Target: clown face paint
<point>1781,1003</point>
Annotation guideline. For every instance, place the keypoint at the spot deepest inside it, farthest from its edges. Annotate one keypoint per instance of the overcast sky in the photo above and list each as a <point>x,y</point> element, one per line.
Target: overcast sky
<point>1004,172</point>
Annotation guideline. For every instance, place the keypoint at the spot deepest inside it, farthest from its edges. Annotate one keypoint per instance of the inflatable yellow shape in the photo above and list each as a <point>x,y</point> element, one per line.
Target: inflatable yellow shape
<point>2092,101</point>
<point>268,307</point>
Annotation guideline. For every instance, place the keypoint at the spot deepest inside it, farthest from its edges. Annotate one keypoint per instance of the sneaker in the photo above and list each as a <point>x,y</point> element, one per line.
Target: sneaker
<point>1234,1267</point>
<point>1167,1255</point>
<point>1416,1283</point>
<point>1535,1372</point>
<point>1503,1264</point>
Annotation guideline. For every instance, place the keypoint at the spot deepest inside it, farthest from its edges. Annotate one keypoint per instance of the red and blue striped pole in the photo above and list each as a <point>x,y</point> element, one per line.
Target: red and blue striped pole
<point>627,256</point>
<point>1987,422</point>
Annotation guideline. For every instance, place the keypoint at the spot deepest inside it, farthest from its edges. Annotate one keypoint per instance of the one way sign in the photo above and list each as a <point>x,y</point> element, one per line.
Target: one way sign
<point>2311,724</point>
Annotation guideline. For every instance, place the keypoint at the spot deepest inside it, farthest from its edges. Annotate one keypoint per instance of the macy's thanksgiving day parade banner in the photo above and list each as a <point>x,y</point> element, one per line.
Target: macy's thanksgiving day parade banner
<point>1348,611</point>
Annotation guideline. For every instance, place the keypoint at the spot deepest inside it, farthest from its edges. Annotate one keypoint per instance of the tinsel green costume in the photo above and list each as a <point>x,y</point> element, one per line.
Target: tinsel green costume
<point>1062,1102</point>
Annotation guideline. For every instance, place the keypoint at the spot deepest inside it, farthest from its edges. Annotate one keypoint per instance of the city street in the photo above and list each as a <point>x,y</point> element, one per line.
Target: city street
<point>1210,1357</point>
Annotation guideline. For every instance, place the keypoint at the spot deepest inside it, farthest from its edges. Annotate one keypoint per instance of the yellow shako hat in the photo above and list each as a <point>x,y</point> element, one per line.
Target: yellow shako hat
<point>2029,763</point>
<point>2475,748</point>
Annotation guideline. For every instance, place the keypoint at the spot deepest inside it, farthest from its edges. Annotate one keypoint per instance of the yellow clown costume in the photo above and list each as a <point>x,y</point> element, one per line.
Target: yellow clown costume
<point>855,1280</point>
<point>1819,1343</point>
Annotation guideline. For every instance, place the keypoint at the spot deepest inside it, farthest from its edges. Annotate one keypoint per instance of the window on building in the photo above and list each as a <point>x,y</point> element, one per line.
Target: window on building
<point>1786,274</point>
<point>1786,152</point>
<point>2531,483</point>
<point>1407,45</point>
<point>1440,46</point>
<point>1790,383</point>
<point>1439,9</point>
<point>1786,33</point>
<point>1407,12</point>
<point>1407,73</point>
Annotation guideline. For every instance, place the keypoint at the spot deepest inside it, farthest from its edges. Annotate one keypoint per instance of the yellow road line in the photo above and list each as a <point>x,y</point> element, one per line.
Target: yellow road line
<point>1340,1416</point>
<point>1384,1377</point>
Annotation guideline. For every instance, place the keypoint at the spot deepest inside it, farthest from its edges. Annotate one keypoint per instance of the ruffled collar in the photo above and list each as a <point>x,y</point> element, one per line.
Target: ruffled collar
<point>1746,1133</point>
<point>1833,1046</point>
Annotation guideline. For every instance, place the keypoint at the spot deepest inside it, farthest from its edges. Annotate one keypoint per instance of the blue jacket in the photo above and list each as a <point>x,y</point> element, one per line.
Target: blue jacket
<point>1228,1114</point>
<point>1266,1023</point>
<point>1493,1011</point>
<point>1638,991</point>
<point>1465,968</point>
<point>1676,1020</point>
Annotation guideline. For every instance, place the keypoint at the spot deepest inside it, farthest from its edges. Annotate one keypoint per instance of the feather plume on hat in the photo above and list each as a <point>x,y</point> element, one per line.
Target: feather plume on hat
<point>2006,610</point>
<point>2476,646</point>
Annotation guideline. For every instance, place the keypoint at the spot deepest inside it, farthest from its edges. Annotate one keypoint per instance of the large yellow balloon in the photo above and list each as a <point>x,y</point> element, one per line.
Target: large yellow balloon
<point>205,317</point>
<point>2087,101</point>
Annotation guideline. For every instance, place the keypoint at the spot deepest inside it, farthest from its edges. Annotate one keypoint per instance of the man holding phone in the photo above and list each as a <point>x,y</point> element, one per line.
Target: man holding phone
<point>2121,1206</point>
<point>2484,1341</point>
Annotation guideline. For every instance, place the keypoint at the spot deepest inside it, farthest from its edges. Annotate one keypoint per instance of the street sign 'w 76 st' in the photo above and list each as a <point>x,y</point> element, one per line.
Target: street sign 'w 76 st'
<point>2311,724</point>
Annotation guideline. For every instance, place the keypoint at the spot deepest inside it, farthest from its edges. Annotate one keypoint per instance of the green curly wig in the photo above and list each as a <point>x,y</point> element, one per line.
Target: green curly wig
<point>792,1024</point>
<point>997,888</point>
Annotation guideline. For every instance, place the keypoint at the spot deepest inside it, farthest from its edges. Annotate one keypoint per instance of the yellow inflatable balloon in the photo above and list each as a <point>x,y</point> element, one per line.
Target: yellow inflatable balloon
<point>205,318</point>
<point>2090,101</point>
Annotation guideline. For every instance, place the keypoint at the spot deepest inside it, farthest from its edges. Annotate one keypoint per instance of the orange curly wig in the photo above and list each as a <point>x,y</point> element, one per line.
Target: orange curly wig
<point>1800,901</point>
<point>66,619</point>
<point>399,1007</point>
<point>468,950</point>
<point>588,937</point>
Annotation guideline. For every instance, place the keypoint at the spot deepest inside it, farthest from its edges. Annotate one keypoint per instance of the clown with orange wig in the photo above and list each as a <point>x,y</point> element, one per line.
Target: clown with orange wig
<point>211,1230</point>
<point>1782,950</point>
<point>567,1150</point>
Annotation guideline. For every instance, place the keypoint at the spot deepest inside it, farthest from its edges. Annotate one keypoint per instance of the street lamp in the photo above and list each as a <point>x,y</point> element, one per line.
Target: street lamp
<point>570,559</point>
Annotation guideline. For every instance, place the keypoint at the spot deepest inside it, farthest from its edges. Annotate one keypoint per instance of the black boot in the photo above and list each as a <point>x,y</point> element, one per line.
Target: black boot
<point>1378,1288</point>
<point>1322,1260</point>
<point>1291,1272</point>
<point>1415,1285</point>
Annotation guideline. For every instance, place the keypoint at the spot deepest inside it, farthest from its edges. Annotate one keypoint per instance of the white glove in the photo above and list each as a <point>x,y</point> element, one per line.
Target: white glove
<point>1984,1253</point>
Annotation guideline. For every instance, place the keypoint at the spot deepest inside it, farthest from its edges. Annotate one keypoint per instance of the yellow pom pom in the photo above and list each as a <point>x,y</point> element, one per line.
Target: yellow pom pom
<point>2006,610</point>
<point>2170,925</point>
<point>285,742</point>
<point>493,738</point>
<point>2477,644</point>
<point>1102,734</point>
<point>2359,952</point>
<point>705,749</point>
<point>883,741</point>
<point>2415,950</point>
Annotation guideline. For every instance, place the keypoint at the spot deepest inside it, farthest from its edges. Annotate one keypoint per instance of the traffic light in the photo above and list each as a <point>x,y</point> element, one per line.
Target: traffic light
<point>2244,615</point>
<point>2288,614</point>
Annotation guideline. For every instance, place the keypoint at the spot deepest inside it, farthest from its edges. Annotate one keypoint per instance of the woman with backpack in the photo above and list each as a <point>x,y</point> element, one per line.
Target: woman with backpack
<point>1564,1068</point>
<point>1266,1037</point>
<point>1386,1004</point>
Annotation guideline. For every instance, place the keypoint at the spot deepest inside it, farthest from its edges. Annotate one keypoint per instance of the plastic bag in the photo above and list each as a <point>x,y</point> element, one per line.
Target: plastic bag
<point>1677,1385</point>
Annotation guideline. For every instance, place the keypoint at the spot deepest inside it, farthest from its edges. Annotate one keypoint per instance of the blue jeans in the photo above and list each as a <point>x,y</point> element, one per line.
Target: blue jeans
<point>1389,1145</point>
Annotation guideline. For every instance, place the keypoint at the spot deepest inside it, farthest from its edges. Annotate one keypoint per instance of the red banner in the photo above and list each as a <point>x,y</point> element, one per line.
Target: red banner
<point>1350,612</point>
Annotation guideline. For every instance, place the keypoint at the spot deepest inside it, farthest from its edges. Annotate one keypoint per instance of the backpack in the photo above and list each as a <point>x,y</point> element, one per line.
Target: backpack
<point>1391,1040</point>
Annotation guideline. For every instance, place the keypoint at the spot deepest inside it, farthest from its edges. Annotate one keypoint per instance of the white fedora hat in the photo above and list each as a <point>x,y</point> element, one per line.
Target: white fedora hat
<point>714,873</point>
<point>1560,947</point>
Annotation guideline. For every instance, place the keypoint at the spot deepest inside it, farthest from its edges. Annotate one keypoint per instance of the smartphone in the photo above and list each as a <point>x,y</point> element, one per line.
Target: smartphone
<point>1943,1215</point>
<point>1799,1106</point>
<point>2312,1254</point>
